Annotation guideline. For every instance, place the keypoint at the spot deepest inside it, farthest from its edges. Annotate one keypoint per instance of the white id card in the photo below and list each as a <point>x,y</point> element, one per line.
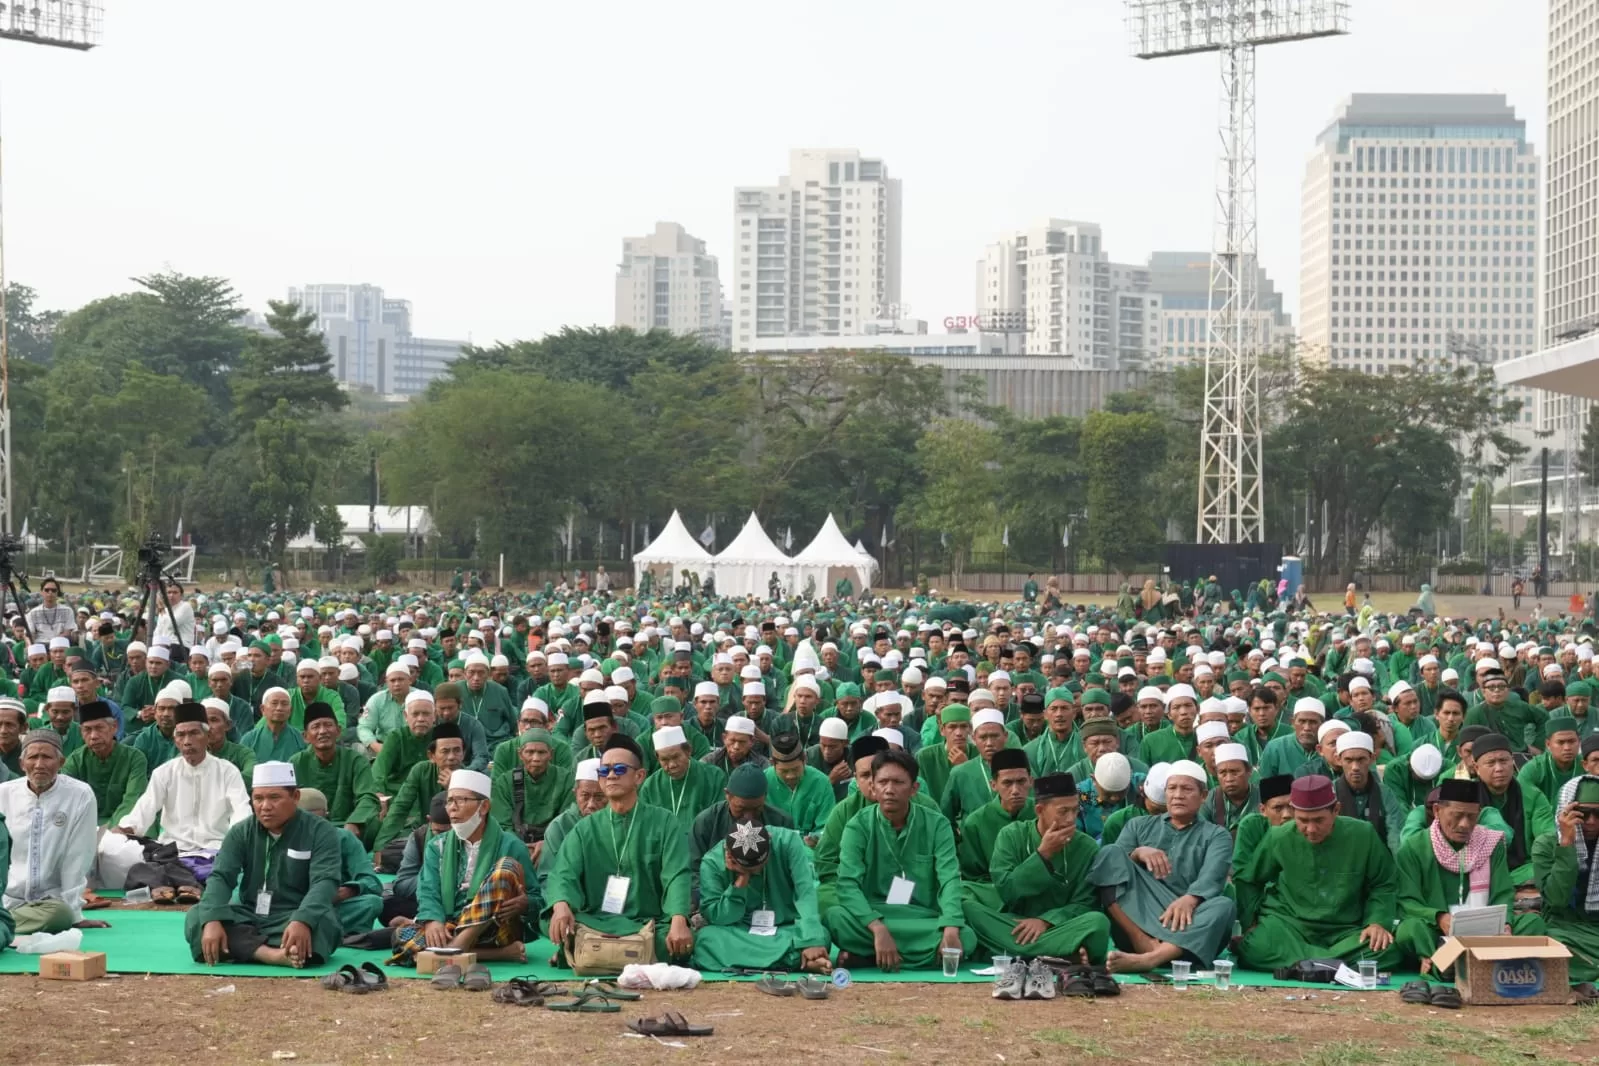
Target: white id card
<point>899,893</point>
<point>263,903</point>
<point>763,923</point>
<point>615,894</point>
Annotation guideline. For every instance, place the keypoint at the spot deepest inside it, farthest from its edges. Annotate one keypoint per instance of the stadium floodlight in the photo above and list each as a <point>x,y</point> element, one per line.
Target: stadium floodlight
<point>1231,508</point>
<point>71,24</point>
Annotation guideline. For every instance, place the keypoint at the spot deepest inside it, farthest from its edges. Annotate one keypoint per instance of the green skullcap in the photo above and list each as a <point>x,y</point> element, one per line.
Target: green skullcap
<point>1237,675</point>
<point>536,736</point>
<point>1563,723</point>
<point>1096,695</point>
<point>1061,693</point>
<point>261,646</point>
<point>666,705</point>
<point>449,690</point>
<point>1579,688</point>
<point>1099,727</point>
<point>955,712</point>
<point>1274,676</point>
<point>847,690</point>
<point>747,782</point>
<point>1587,790</point>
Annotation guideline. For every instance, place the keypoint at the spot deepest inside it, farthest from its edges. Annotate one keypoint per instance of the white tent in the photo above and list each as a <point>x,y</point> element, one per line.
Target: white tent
<point>745,567</point>
<point>871,560</point>
<point>670,553</point>
<point>828,557</point>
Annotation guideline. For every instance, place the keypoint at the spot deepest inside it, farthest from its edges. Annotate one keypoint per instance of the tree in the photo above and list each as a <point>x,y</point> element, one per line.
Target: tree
<point>606,357</point>
<point>955,493</point>
<point>1120,452</point>
<point>286,492</point>
<point>29,333</point>
<point>1040,479</point>
<point>291,364</point>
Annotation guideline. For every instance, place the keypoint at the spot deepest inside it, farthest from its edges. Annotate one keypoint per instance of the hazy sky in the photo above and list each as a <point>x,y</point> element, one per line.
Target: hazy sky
<point>485,158</point>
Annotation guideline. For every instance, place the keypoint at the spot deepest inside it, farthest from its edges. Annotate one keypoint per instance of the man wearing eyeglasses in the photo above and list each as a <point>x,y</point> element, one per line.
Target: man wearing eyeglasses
<point>625,865</point>
<point>1506,714</point>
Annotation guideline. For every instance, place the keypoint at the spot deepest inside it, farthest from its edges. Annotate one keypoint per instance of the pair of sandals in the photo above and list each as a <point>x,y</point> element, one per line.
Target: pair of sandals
<point>1087,982</point>
<point>669,1023</point>
<point>167,896</point>
<point>356,982</point>
<point>475,978</point>
<point>809,987</point>
<point>595,997</point>
<point>1421,993</point>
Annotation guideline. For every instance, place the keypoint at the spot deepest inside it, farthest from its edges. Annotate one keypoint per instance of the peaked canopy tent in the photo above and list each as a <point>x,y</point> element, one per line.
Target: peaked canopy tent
<point>871,560</point>
<point>827,558</point>
<point>745,567</point>
<point>673,551</point>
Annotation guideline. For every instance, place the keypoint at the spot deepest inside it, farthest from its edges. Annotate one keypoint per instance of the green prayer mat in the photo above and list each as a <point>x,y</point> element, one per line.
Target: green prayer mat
<point>151,942</point>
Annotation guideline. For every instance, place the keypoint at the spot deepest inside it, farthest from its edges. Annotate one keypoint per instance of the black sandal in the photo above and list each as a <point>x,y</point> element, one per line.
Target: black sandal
<point>670,1023</point>
<point>345,979</point>
<point>520,992</point>
<point>1445,996</point>
<point>1079,985</point>
<point>1419,992</point>
<point>372,979</point>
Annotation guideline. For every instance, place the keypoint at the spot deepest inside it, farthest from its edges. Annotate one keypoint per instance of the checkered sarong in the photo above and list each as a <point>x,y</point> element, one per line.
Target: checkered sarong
<point>503,882</point>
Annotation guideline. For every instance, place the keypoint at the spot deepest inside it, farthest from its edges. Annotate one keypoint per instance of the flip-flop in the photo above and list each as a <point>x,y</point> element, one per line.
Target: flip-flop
<point>167,899</point>
<point>1078,986</point>
<point>1445,996</point>
<point>1104,983</point>
<point>608,988</point>
<point>814,987</point>
<point>373,979</point>
<point>446,977</point>
<point>776,986</point>
<point>519,992</point>
<point>1585,994</point>
<point>1415,992</point>
<point>585,1003</point>
<point>345,979</point>
<point>477,978</point>
<point>669,1023</point>
<point>188,895</point>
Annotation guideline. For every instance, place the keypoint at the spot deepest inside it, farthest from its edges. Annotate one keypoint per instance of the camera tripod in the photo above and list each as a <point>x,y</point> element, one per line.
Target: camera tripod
<point>153,599</point>
<point>9,579</point>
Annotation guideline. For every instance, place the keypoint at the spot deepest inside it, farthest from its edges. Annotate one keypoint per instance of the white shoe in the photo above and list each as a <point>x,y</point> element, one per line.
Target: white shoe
<point>1039,982</point>
<point>1012,983</point>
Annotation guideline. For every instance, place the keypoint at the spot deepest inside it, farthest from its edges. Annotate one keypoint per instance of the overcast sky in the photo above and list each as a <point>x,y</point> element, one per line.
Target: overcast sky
<point>484,159</point>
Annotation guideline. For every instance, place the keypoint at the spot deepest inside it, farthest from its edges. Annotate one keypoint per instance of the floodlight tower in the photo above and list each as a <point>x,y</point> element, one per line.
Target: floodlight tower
<point>1230,497</point>
<point>70,24</point>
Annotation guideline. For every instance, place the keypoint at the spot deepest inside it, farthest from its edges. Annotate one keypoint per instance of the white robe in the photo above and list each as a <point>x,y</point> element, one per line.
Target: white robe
<point>196,804</point>
<point>52,842</point>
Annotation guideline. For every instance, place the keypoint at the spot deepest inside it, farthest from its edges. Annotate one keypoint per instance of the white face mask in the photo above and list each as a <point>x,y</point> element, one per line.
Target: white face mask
<point>464,830</point>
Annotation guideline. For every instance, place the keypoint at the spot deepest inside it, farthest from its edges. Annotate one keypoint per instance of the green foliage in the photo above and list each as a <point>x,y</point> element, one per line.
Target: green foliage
<point>291,365</point>
<point>955,496</point>
<point>1120,453</point>
<point>382,558</point>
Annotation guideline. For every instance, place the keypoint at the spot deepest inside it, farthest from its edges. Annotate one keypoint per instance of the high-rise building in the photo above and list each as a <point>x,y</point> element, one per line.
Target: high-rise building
<point>1182,280</point>
<point>369,337</point>
<point>817,254</point>
<point>667,281</point>
<point>1058,281</point>
<point>1419,236</point>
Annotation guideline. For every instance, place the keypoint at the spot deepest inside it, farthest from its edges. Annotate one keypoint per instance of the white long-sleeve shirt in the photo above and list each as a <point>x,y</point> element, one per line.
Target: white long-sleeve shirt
<point>52,842</point>
<point>196,804</point>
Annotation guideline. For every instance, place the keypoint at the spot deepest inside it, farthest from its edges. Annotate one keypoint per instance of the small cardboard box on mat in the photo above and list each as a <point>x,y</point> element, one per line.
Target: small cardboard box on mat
<point>1507,971</point>
<point>72,965</point>
<point>429,962</point>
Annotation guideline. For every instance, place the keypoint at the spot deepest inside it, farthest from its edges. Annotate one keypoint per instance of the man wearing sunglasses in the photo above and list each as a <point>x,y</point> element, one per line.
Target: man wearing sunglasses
<point>625,865</point>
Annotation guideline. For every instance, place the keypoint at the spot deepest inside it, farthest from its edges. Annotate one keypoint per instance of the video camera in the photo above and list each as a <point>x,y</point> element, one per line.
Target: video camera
<point>153,556</point>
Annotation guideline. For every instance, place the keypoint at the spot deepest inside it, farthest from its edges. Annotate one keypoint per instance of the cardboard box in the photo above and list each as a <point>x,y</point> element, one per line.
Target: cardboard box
<point>1507,971</point>
<point>72,965</point>
<point>429,962</point>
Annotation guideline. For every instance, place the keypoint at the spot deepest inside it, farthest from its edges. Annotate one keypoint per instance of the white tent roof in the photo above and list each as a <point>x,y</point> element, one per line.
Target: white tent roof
<point>871,560</point>
<point>829,548</point>
<point>674,544</point>
<point>752,547</point>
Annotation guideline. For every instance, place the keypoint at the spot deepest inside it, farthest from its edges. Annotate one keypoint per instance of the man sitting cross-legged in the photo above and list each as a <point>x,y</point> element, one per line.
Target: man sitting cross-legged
<point>1456,863</point>
<point>1163,879</point>
<point>473,892</point>
<point>758,898</point>
<point>270,896</point>
<point>1040,872</point>
<point>899,883</point>
<point>51,823</point>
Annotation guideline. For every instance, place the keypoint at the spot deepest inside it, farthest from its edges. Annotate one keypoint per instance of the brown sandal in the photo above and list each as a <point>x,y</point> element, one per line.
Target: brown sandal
<point>669,1023</point>
<point>165,895</point>
<point>188,895</point>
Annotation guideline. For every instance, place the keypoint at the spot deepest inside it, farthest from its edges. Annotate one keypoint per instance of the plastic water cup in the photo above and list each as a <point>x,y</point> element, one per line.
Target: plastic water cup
<point>1181,970</point>
<point>1224,974</point>
<point>1001,964</point>
<point>1368,973</point>
<point>136,895</point>
<point>952,961</point>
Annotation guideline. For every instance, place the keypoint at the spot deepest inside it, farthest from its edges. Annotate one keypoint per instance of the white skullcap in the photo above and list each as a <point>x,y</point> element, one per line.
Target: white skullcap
<point>1310,705</point>
<point>557,658</point>
<point>591,677</point>
<point>1487,664</point>
<point>1426,761</point>
<point>499,661</point>
<point>722,659</point>
<point>1150,692</point>
<point>1353,740</point>
<point>1189,769</point>
<point>275,690</point>
<point>176,690</point>
<point>895,738</point>
<point>1181,692</point>
<point>1113,772</point>
<point>307,666</point>
<point>273,775</point>
<point>534,703</point>
<point>160,652</point>
<point>59,642</point>
<point>471,781</point>
<point>219,670</point>
<point>1203,670</point>
<point>979,695</point>
<point>1214,705</point>
<point>835,729</point>
<point>1450,674</point>
<point>217,705</point>
<point>1359,683</point>
<point>1331,725</point>
<point>384,634</point>
<point>622,675</point>
<point>1234,705</point>
<point>417,695</point>
<point>596,696</point>
<point>913,676</point>
<point>408,660</point>
<point>220,626</point>
<point>348,672</point>
<point>1155,781</point>
<point>1211,731</point>
<point>754,688</point>
<point>988,716</point>
<point>397,669</point>
<point>936,684</point>
<point>739,724</point>
<point>808,684</point>
<point>998,675</point>
<point>1232,753</point>
<point>1397,689</point>
<point>137,645</point>
<point>327,662</point>
<point>63,694</point>
<point>750,673</point>
<point>471,657</point>
<point>671,736</point>
<point>707,688</point>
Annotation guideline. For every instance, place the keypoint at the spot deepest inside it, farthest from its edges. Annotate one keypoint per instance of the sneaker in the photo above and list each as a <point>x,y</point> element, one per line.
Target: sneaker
<point>1040,981</point>
<point>1012,983</point>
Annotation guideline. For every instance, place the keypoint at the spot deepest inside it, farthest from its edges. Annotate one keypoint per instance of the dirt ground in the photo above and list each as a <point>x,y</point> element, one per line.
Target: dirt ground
<point>190,1019</point>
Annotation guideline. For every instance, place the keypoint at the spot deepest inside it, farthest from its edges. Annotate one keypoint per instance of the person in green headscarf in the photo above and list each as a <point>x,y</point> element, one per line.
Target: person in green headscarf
<point>1125,604</point>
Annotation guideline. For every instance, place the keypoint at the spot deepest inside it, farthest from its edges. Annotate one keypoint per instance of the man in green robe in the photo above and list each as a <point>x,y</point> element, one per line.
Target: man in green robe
<point>272,739</point>
<point>970,783</point>
<point>587,797</point>
<point>683,786</point>
<point>407,746</point>
<point>270,896</point>
<point>477,889</point>
<point>342,775</point>
<point>1408,780</point>
<point>359,899</point>
<point>801,791</point>
<point>487,701</point>
<point>743,800</point>
<point>899,885</point>
<point>1360,792</point>
<point>445,752</point>
<point>934,762</point>
<point>1060,745</point>
<point>155,741</point>
<point>1286,754</point>
<point>624,866</point>
<point>526,799</point>
<point>1039,868</point>
<point>1162,881</point>
<point>308,689</point>
<point>1526,812</point>
<point>1456,863</point>
<point>974,843</point>
<point>1507,714</point>
<point>116,772</point>
<point>1565,864</point>
<point>1549,772</point>
<point>1181,740</point>
<point>1275,809</point>
<point>218,725</point>
<point>758,899</point>
<point>1322,887</point>
<point>861,754</point>
<point>1234,798</point>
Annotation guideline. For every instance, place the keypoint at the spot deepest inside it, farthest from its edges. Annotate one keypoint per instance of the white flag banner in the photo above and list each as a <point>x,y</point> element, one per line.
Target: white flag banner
<point>788,539</point>
<point>882,541</point>
<point>708,537</point>
<point>1005,539</point>
<point>1066,537</point>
